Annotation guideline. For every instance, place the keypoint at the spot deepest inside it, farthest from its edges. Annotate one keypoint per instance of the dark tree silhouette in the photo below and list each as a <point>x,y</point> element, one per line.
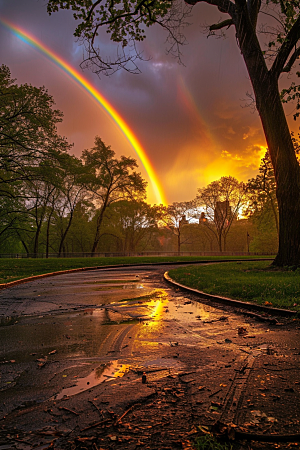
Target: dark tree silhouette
<point>110,180</point>
<point>222,200</point>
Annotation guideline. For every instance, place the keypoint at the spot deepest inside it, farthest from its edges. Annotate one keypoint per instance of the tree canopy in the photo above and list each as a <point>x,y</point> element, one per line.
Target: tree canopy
<point>28,126</point>
<point>110,179</point>
<point>222,200</point>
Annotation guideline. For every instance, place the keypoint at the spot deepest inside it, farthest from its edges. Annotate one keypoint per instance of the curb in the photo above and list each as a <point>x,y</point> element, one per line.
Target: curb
<point>115,266</point>
<point>267,437</point>
<point>231,302</point>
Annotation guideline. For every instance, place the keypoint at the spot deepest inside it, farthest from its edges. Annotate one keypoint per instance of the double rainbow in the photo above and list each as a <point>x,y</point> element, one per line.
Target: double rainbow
<point>120,122</point>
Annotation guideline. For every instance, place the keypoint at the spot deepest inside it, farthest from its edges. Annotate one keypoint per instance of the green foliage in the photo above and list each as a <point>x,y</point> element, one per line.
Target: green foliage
<point>27,126</point>
<point>262,188</point>
<point>41,183</point>
<point>264,237</point>
<point>125,20</point>
<point>109,180</point>
<point>131,224</point>
<point>239,236</point>
<point>292,93</point>
<point>29,150</point>
<point>80,236</point>
<point>176,218</point>
<point>262,208</point>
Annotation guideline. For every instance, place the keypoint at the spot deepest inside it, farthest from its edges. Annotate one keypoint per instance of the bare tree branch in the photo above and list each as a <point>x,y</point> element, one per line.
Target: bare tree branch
<point>218,26</point>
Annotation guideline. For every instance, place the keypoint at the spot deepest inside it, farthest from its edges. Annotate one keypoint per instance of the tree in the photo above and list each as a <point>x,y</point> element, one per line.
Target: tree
<point>222,200</point>
<point>262,190</point>
<point>28,132</point>
<point>262,208</point>
<point>110,180</point>
<point>125,21</point>
<point>132,223</point>
<point>176,216</point>
<point>80,237</point>
<point>29,148</point>
<point>264,238</point>
<point>72,176</point>
<point>13,220</point>
<point>39,195</point>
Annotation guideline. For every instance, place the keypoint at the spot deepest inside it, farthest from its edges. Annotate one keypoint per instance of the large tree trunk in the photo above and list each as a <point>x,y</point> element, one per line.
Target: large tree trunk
<point>287,175</point>
<point>48,233</point>
<point>64,235</point>
<point>97,233</point>
<point>282,153</point>
<point>36,239</point>
<point>220,242</point>
<point>99,222</point>
<point>23,243</point>
<point>286,170</point>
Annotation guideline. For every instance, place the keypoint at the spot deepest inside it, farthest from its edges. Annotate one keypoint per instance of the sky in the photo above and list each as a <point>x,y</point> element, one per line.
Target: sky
<point>191,119</point>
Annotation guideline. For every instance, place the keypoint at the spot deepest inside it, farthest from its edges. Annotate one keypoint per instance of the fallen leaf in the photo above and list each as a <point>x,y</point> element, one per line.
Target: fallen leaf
<point>242,330</point>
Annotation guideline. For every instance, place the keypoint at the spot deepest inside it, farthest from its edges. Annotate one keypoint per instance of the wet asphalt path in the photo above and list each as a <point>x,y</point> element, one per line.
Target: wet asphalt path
<point>62,335</point>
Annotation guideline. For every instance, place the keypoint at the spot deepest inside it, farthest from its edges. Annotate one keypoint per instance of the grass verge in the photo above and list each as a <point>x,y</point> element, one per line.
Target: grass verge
<point>16,269</point>
<point>209,442</point>
<point>247,281</point>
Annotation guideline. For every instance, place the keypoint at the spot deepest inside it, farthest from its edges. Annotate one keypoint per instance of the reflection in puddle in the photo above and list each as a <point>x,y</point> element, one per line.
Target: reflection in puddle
<point>133,286</point>
<point>108,288</point>
<point>113,280</point>
<point>105,372</point>
<point>184,310</point>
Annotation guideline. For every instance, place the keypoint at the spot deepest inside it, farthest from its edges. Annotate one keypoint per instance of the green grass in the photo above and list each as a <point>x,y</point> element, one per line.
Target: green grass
<point>208,442</point>
<point>247,281</point>
<point>16,269</point>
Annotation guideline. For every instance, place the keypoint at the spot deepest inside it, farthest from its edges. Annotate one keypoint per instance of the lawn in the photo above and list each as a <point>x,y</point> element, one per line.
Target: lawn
<point>248,281</point>
<point>16,269</point>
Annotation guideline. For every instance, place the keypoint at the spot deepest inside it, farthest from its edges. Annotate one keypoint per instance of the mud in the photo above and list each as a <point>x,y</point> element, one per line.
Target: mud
<point>74,350</point>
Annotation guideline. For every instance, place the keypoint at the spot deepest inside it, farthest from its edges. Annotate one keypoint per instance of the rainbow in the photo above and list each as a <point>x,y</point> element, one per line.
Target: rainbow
<point>120,122</point>
<point>208,140</point>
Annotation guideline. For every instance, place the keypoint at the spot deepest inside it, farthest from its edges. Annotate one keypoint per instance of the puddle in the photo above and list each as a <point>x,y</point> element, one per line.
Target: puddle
<point>133,286</point>
<point>114,281</point>
<point>105,372</point>
<point>112,287</point>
